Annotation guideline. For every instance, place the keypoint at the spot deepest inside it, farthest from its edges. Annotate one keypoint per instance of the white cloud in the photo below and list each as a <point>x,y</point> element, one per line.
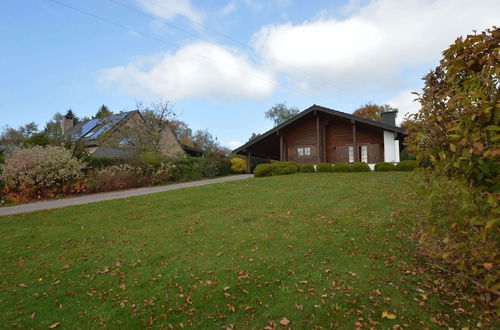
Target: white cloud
<point>234,144</point>
<point>228,8</point>
<point>374,43</point>
<point>405,102</point>
<point>168,9</point>
<point>198,69</point>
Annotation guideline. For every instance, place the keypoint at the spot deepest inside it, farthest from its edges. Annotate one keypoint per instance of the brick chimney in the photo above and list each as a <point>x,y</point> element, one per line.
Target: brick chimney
<point>66,123</point>
<point>389,117</point>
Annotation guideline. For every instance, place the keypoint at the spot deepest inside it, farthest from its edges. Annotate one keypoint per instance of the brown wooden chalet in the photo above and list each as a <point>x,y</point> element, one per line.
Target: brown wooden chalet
<point>322,135</point>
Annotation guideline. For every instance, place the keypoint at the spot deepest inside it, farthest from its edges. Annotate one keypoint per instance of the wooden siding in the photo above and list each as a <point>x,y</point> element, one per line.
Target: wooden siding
<point>302,135</point>
<point>334,135</point>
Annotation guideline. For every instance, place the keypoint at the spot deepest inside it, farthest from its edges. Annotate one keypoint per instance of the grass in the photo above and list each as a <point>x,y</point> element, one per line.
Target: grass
<point>311,249</point>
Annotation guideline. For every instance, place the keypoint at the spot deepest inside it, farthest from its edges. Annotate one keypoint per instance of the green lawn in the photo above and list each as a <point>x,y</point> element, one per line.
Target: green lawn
<point>319,249</point>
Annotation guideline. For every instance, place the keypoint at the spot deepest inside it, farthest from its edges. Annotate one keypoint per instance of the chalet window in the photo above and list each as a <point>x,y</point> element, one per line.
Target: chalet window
<point>363,153</point>
<point>304,151</point>
<point>351,154</point>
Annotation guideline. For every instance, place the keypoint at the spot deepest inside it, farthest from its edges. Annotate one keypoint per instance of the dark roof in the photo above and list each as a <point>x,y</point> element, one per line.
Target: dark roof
<point>329,111</point>
<point>192,151</point>
<point>91,129</point>
<point>110,152</point>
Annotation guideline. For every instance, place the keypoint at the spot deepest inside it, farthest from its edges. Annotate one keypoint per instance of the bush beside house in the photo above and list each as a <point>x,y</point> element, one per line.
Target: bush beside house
<point>306,168</point>
<point>406,165</point>
<point>324,167</point>
<point>384,167</point>
<point>341,167</point>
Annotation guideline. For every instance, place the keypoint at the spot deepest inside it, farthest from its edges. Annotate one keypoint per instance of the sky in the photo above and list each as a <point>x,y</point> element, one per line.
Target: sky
<point>223,63</point>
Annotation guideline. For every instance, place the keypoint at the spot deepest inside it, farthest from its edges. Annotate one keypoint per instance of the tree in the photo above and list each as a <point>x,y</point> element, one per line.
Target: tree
<point>11,137</point>
<point>145,135</point>
<point>53,127</point>
<point>28,129</point>
<point>205,141</point>
<point>103,112</point>
<point>373,111</point>
<point>253,136</point>
<point>281,113</point>
<point>37,139</point>
<point>71,115</point>
<point>182,132</point>
<point>369,111</point>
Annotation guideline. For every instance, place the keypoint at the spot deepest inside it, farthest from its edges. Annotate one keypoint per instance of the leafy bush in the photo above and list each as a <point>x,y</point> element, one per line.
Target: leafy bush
<point>215,165</point>
<point>2,159</point>
<point>456,135</point>
<point>359,167</point>
<point>306,168</point>
<point>324,167</point>
<point>385,167</point>
<point>406,165</point>
<point>102,162</point>
<point>187,169</point>
<point>238,165</point>
<point>341,167</point>
<point>41,168</point>
<point>263,170</point>
<point>284,168</point>
<point>126,176</point>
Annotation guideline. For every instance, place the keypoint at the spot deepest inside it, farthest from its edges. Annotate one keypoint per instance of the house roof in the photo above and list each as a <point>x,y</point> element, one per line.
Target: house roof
<point>329,111</point>
<point>92,129</point>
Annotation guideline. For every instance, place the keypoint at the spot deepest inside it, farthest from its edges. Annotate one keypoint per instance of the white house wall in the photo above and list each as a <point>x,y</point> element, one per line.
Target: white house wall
<point>390,147</point>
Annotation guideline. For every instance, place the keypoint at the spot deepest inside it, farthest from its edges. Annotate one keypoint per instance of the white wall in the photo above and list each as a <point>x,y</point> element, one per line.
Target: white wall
<point>389,147</point>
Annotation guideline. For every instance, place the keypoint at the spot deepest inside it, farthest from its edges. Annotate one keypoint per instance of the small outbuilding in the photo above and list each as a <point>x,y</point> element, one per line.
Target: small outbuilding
<point>322,135</point>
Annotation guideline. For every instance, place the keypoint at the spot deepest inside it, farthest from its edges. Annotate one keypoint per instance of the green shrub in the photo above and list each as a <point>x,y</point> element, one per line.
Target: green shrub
<point>359,167</point>
<point>2,159</point>
<point>341,167</point>
<point>187,169</point>
<point>306,168</point>
<point>406,165</point>
<point>324,167</point>
<point>385,167</point>
<point>284,168</point>
<point>238,165</point>
<point>39,169</point>
<point>263,170</point>
<point>103,162</point>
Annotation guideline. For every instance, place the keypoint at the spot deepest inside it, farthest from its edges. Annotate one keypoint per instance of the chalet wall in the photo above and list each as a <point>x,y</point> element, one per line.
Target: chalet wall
<point>335,137</point>
<point>302,135</point>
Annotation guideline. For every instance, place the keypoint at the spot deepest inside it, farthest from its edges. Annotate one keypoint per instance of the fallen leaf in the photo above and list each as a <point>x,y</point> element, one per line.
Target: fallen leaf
<point>284,321</point>
<point>299,307</point>
<point>32,316</point>
<point>488,265</point>
<point>388,315</point>
<point>22,285</point>
<point>353,274</point>
<point>54,325</point>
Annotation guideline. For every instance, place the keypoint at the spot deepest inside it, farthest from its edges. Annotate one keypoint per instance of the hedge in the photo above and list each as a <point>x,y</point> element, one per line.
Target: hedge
<point>262,170</point>
<point>284,168</point>
<point>406,165</point>
<point>306,168</point>
<point>278,168</point>
<point>359,167</point>
<point>324,167</point>
<point>385,167</point>
<point>341,167</point>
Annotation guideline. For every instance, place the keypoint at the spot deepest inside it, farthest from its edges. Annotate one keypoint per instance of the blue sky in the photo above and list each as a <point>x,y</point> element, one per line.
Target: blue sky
<point>222,63</point>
